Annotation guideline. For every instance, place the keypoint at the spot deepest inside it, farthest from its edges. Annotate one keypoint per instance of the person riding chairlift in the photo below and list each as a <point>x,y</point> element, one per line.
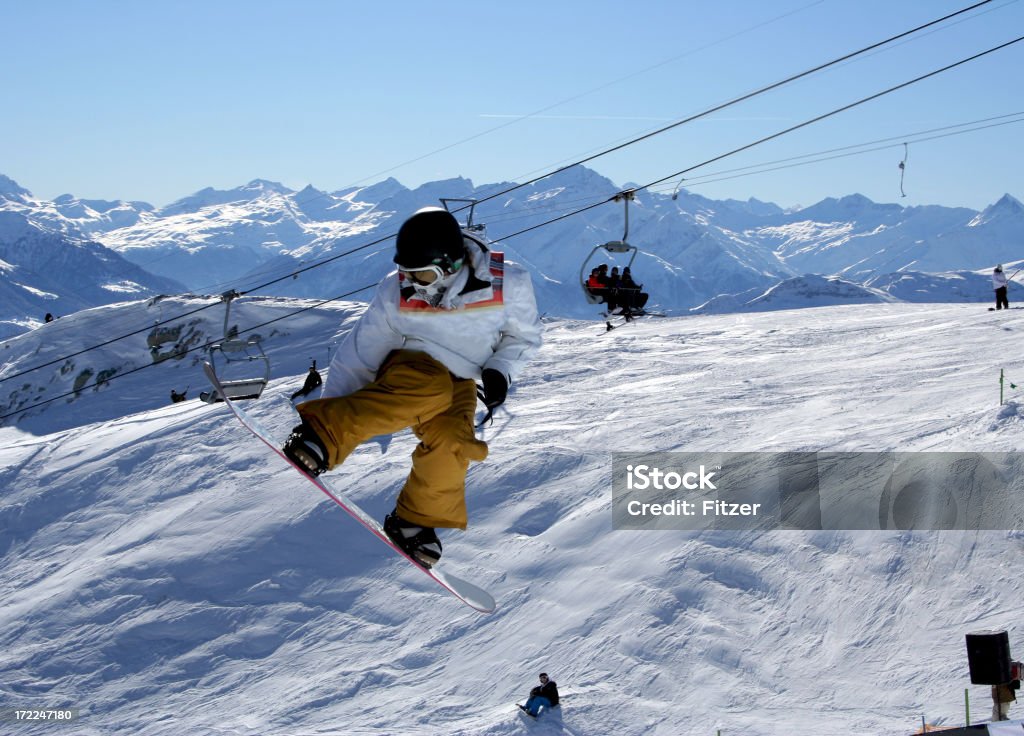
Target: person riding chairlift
<point>598,280</point>
<point>630,293</point>
<point>600,285</point>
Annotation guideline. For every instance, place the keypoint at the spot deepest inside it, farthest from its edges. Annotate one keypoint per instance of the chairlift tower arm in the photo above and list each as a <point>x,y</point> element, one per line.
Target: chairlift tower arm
<point>626,197</point>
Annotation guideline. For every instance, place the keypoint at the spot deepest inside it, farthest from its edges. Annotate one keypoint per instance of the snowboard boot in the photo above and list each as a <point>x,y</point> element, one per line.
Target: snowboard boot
<point>304,448</point>
<point>419,542</point>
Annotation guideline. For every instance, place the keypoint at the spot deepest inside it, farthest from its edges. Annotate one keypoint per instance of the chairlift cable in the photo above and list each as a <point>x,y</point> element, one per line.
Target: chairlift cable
<point>775,165</point>
<point>719,175</point>
<point>836,111</point>
<point>736,100</point>
<point>111,340</point>
<point>778,164</point>
<point>765,139</point>
<point>747,96</point>
<point>189,313</point>
<point>715,178</point>
<point>651,134</point>
<point>569,211</point>
<point>204,346</point>
<point>676,124</point>
<point>905,41</point>
<point>619,80</point>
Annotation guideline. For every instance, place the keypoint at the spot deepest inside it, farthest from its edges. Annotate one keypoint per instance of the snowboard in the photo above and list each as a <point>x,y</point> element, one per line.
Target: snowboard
<point>472,595</point>
<point>540,716</point>
<point>525,716</point>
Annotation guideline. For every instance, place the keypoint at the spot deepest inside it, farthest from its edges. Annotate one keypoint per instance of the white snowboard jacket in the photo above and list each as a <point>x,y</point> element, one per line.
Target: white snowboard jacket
<point>487,319</point>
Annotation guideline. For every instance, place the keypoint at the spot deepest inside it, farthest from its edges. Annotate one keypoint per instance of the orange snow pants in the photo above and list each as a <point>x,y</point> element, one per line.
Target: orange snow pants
<point>413,390</point>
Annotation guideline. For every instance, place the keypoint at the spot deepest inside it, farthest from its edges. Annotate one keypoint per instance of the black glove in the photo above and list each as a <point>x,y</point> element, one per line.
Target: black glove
<point>495,388</point>
<point>493,392</point>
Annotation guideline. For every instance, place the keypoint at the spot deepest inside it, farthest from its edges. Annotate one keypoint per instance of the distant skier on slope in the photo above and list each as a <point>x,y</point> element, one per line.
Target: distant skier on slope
<point>452,313</point>
<point>544,696</point>
<point>1000,284</point>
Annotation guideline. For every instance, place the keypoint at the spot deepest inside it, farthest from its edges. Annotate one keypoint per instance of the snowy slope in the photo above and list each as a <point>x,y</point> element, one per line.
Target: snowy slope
<point>164,574</point>
<point>794,293</point>
<point>78,370</point>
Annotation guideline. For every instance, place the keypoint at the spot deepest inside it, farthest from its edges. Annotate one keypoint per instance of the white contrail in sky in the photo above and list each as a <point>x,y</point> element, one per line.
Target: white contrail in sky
<point>614,117</point>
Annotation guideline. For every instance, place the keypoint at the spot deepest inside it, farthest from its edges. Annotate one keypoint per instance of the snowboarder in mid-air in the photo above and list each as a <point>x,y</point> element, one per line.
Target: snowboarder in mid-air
<point>452,313</point>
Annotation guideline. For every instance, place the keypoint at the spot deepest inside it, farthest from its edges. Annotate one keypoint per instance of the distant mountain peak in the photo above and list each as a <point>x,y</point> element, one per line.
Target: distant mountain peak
<point>1006,209</point>
<point>209,196</point>
<point>265,185</point>
<point>10,187</point>
<point>851,202</point>
<point>1008,203</point>
<point>852,206</point>
<point>374,192</point>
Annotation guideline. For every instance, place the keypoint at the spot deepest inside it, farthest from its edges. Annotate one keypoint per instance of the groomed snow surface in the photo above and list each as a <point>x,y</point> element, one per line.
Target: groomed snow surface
<point>164,573</point>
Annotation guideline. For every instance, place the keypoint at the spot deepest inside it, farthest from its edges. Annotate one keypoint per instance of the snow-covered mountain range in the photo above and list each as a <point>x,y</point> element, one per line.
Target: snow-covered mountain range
<point>49,264</point>
<point>695,253</point>
<point>162,573</point>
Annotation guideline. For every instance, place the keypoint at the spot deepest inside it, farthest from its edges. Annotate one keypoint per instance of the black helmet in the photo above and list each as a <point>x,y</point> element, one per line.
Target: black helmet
<point>430,237</point>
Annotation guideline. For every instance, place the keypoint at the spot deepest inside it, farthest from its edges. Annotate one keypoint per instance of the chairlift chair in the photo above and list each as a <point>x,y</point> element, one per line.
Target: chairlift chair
<point>612,247</point>
<point>235,352</point>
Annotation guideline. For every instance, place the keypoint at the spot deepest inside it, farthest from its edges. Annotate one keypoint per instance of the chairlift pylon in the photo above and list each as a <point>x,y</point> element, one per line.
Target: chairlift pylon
<point>470,225</point>
<point>235,351</point>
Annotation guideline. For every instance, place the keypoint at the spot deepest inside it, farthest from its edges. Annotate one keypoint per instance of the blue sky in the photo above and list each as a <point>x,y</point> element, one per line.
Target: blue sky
<point>155,100</point>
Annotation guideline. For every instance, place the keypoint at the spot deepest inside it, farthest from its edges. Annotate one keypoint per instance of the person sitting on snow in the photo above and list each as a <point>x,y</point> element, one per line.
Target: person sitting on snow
<point>543,696</point>
<point>313,382</point>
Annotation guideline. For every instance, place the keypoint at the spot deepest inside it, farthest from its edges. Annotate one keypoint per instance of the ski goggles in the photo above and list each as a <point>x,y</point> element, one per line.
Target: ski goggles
<point>424,276</point>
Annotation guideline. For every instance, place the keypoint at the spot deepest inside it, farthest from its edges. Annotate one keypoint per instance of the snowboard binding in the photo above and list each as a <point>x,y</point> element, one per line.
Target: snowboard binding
<point>419,542</point>
<point>304,448</point>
